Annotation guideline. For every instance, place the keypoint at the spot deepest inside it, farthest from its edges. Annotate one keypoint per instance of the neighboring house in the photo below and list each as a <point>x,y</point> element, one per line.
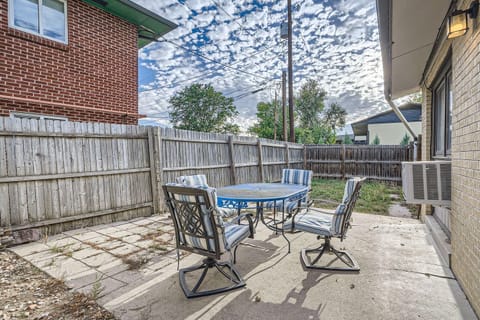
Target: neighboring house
<point>418,55</point>
<point>387,126</point>
<point>72,59</point>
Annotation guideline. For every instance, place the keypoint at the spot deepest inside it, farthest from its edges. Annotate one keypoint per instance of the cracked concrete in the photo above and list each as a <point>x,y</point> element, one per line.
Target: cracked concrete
<point>401,277</point>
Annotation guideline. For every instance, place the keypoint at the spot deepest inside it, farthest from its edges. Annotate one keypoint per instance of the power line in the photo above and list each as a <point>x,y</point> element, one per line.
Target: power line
<point>204,75</point>
<point>242,28</point>
<point>213,60</point>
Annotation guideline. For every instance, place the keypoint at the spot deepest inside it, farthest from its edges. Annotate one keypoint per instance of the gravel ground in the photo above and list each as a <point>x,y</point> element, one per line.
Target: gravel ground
<point>28,293</point>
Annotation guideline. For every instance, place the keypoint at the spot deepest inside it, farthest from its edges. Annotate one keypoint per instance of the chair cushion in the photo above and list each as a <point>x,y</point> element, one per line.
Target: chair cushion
<point>297,176</point>
<point>312,222</point>
<point>200,180</point>
<point>290,206</point>
<point>234,234</point>
<point>193,180</point>
<point>227,212</point>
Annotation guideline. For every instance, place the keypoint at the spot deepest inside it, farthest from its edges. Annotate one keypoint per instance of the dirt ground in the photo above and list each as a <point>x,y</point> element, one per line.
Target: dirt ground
<point>28,293</point>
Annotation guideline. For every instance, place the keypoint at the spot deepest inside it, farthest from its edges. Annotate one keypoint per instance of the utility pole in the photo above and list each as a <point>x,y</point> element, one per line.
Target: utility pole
<point>290,72</point>
<point>284,104</point>
<point>275,116</point>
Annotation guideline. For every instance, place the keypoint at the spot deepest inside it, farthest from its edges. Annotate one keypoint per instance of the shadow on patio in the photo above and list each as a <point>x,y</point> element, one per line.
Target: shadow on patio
<point>401,276</point>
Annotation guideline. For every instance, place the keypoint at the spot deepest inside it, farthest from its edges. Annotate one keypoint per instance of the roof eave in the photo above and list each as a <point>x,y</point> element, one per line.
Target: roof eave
<point>145,20</point>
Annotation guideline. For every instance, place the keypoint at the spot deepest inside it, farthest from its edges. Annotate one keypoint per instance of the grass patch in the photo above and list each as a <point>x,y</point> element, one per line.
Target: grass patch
<point>375,197</point>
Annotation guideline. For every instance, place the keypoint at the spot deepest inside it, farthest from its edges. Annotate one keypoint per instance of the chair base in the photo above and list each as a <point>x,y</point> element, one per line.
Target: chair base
<point>343,256</point>
<point>232,275</point>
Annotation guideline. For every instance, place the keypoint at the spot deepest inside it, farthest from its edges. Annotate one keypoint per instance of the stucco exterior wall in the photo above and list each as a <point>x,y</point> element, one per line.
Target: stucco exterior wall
<point>391,133</point>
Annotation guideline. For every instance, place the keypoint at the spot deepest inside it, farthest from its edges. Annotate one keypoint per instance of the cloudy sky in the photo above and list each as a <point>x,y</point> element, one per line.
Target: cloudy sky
<point>236,47</point>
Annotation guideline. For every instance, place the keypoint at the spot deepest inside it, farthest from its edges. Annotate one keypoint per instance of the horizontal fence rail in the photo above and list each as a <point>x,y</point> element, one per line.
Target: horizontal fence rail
<point>376,162</point>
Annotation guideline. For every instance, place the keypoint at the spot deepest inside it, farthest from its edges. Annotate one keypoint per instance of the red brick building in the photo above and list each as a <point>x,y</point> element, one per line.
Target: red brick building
<point>73,59</point>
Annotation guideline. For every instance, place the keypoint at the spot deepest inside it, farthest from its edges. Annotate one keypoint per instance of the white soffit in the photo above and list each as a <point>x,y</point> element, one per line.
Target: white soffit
<point>415,25</point>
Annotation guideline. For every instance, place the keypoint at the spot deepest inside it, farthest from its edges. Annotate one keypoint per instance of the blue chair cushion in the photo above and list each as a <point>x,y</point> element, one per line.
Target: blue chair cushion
<point>200,180</point>
<point>234,234</point>
<point>290,206</point>
<point>297,176</point>
<point>312,222</point>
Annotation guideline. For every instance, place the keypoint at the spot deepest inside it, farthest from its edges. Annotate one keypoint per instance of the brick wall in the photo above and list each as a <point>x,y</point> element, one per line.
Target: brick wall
<point>92,78</point>
<point>465,218</point>
<point>465,211</point>
<point>426,137</point>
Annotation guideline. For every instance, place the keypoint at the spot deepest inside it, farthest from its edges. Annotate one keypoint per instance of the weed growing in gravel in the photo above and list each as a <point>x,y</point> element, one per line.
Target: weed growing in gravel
<point>97,287</point>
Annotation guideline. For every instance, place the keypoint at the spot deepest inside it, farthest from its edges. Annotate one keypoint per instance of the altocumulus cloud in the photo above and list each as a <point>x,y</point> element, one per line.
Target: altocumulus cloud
<point>335,42</point>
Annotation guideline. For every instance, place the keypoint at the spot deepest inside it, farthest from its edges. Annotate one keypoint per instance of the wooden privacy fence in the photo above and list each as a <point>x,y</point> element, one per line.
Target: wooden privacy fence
<point>376,162</point>
<point>63,175</point>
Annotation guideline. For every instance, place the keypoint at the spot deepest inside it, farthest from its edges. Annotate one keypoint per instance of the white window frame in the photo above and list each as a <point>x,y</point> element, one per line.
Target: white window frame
<point>11,22</point>
<point>36,116</point>
<point>444,78</point>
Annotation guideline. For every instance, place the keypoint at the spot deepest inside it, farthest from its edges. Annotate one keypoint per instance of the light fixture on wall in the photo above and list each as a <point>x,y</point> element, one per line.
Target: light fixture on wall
<point>458,20</point>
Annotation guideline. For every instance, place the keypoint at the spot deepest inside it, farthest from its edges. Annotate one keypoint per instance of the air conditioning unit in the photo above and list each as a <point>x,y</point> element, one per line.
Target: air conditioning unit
<point>427,182</point>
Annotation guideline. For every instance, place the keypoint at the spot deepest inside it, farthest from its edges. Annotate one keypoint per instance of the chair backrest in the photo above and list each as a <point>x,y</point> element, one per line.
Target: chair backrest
<point>298,176</point>
<point>193,180</point>
<point>198,228</point>
<point>343,213</point>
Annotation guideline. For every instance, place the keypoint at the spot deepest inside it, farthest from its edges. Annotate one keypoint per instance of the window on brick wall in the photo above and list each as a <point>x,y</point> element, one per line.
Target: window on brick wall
<point>442,114</point>
<point>36,116</point>
<point>46,18</point>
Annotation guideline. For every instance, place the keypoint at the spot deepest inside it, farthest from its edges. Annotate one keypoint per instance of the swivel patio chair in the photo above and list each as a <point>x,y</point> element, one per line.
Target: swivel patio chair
<point>200,229</point>
<point>200,180</point>
<point>327,226</point>
<point>293,176</point>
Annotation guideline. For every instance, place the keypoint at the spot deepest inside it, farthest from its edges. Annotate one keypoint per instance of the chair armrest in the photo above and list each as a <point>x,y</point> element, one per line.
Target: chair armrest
<point>326,201</point>
<point>321,211</point>
<point>247,216</point>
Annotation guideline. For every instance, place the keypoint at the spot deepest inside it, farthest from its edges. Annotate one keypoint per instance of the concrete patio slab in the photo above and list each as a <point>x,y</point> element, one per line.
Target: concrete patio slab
<point>401,277</point>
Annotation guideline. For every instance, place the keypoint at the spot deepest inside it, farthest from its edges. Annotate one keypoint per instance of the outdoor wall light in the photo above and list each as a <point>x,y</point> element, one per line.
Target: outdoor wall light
<point>458,21</point>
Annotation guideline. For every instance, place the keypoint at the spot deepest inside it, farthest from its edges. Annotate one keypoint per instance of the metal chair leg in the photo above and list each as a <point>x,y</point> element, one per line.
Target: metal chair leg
<point>343,256</point>
<point>234,277</point>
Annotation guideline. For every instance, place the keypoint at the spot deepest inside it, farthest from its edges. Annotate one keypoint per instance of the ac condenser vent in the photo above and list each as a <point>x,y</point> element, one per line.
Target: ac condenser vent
<point>427,182</point>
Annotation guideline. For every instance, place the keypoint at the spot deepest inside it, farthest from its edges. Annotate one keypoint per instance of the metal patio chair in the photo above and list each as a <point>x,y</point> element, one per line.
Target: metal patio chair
<point>200,180</point>
<point>200,229</point>
<point>293,176</point>
<point>327,226</point>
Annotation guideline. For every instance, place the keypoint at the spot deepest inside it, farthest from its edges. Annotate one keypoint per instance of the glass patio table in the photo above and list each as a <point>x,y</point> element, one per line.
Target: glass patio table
<point>240,195</point>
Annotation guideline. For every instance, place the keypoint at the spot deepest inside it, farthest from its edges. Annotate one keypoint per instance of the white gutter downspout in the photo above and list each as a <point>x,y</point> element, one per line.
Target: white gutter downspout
<point>401,117</point>
<point>386,44</point>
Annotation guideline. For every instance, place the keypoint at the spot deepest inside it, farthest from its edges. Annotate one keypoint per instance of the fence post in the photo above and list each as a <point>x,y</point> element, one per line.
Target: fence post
<point>287,155</point>
<point>232,160</point>
<point>343,161</point>
<point>153,173</point>
<point>260,160</point>
<point>304,157</point>
<point>157,134</point>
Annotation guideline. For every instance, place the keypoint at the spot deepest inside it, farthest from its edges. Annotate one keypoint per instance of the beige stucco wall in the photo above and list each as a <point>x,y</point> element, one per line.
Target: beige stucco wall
<point>392,133</point>
<point>465,211</point>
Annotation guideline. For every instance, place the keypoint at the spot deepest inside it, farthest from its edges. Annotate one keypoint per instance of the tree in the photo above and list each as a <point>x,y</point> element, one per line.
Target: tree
<point>376,140</point>
<point>405,140</point>
<point>200,108</point>
<point>335,116</point>
<point>347,139</point>
<point>309,104</point>
<point>265,127</point>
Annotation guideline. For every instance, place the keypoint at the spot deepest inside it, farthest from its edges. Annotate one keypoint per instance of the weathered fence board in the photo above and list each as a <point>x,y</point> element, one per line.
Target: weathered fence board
<point>380,162</point>
<point>63,175</point>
